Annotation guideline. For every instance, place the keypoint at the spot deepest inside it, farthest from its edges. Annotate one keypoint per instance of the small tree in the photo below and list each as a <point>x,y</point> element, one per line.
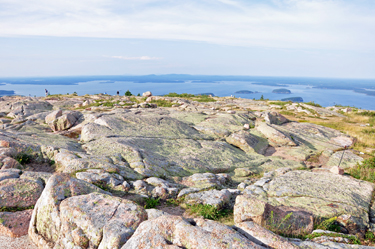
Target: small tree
<point>139,94</point>
<point>128,93</point>
<point>261,97</point>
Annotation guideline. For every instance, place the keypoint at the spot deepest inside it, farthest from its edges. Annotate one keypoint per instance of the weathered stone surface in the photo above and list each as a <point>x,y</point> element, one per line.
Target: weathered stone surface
<point>248,142</point>
<point>153,213</point>
<point>36,176</point>
<point>275,137</point>
<point>274,118</point>
<point>18,192</point>
<point>242,172</point>
<point>63,122</point>
<point>98,221</point>
<point>9,173</point>
<point>326,195</point>
<point>248,208</point>
<point>174,232</point>
<point>262,236</point>
<point>349,159</point>
<point>337,170</point>
<point>9,163</point>
<point>15,224</point>
<point>214,198</point>
<point>45,224</point>
<point>53,115</point>
<point>205,180</point>
<point>97,175</point>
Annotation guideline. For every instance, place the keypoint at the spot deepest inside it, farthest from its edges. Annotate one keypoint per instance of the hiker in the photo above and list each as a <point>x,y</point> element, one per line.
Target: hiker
<point>47,93</point>
<point>118,93</point>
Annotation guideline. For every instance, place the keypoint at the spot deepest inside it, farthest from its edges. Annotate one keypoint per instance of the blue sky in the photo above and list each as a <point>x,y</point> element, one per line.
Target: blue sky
<point>316,38</point>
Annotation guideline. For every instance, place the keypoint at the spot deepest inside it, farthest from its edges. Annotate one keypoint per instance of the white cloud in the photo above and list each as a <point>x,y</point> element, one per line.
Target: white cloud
<point>141,58</point>
<point>293,24</point>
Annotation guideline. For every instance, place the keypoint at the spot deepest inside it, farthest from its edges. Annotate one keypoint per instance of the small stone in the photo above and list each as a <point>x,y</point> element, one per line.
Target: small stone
<point>337,170</point>
<point>246,126</point>
<point>231,112</point>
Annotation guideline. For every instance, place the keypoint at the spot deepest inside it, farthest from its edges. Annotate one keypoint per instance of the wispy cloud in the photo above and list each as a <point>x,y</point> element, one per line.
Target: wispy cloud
<point>140,58</point>
<point>306,24</point>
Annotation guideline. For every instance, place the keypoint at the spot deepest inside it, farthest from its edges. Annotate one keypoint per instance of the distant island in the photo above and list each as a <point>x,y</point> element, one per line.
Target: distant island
<point>268,84</point>
<point>293,99</point>
<point>6,92</point>
<point>282,91</point>
<point>246,92</point>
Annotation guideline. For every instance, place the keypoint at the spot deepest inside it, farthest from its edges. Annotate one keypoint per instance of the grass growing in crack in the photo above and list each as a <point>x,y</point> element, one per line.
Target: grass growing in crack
<point>209,211</point>
<point>15,209</point>
<point>151,203</point>
<point>364,170</point>
<point>328,225</point>
<point>352,239</point>
<point>102,185</point>
<point>278,226</point>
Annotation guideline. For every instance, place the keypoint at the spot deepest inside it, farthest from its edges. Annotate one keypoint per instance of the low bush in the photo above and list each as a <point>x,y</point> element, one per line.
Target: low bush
<point>151,203</point>
<point>209,211</point>
<point>364,170</point>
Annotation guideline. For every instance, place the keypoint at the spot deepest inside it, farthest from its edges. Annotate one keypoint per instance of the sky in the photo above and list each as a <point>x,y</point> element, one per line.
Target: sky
<point>313,38</point>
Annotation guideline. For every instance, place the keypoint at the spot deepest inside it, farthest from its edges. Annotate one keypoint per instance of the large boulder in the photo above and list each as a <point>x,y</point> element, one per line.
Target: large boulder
<point>45,224</point>
<point>170,231</point>
<point>348,159</point>
<point>63,122</point>
<point>248,142</point>
<point>98,221</point>
<point>215,198</point>
<point>275,118</point>
<point>325,195</point>
<point>274,136</point>
<point>287,219</point>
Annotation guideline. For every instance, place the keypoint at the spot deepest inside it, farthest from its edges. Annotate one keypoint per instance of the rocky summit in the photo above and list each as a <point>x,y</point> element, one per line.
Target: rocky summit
<point>100,171</point>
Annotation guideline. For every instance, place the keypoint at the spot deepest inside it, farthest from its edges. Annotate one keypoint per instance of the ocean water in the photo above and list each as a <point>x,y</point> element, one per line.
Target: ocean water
<point>324,97</point>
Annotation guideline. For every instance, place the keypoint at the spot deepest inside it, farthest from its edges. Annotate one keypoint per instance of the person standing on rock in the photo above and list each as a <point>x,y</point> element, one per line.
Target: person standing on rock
<point>118,93</point>
<point>47,93</point>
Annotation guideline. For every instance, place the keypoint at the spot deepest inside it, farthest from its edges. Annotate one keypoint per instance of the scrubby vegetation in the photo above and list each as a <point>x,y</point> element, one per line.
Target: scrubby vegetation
<point>208,211</point>
<point>198,98</point>
<point>364,171</point>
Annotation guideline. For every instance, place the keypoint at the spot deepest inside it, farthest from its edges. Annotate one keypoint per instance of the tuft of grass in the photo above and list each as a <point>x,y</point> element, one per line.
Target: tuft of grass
<point>151,203</point>
<point>23,158</point>
<point>162,103</point>
<point>102,185</point>
<point>328,225</point>
<point>280,103</point>
<point>14,209</point>
<point>364,170</point>
<point>209,211</point>
<point>312,103</point>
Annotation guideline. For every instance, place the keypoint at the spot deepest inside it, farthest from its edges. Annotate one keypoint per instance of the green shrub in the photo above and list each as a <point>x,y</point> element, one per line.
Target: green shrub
<point>102,185</point>
<point>151,203</point>
<point>367,113</point>
<point>364,170</point>
<point>23,158</point>
<point>329,225</point>
<point>128,93</point>
<point>208,211</point>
